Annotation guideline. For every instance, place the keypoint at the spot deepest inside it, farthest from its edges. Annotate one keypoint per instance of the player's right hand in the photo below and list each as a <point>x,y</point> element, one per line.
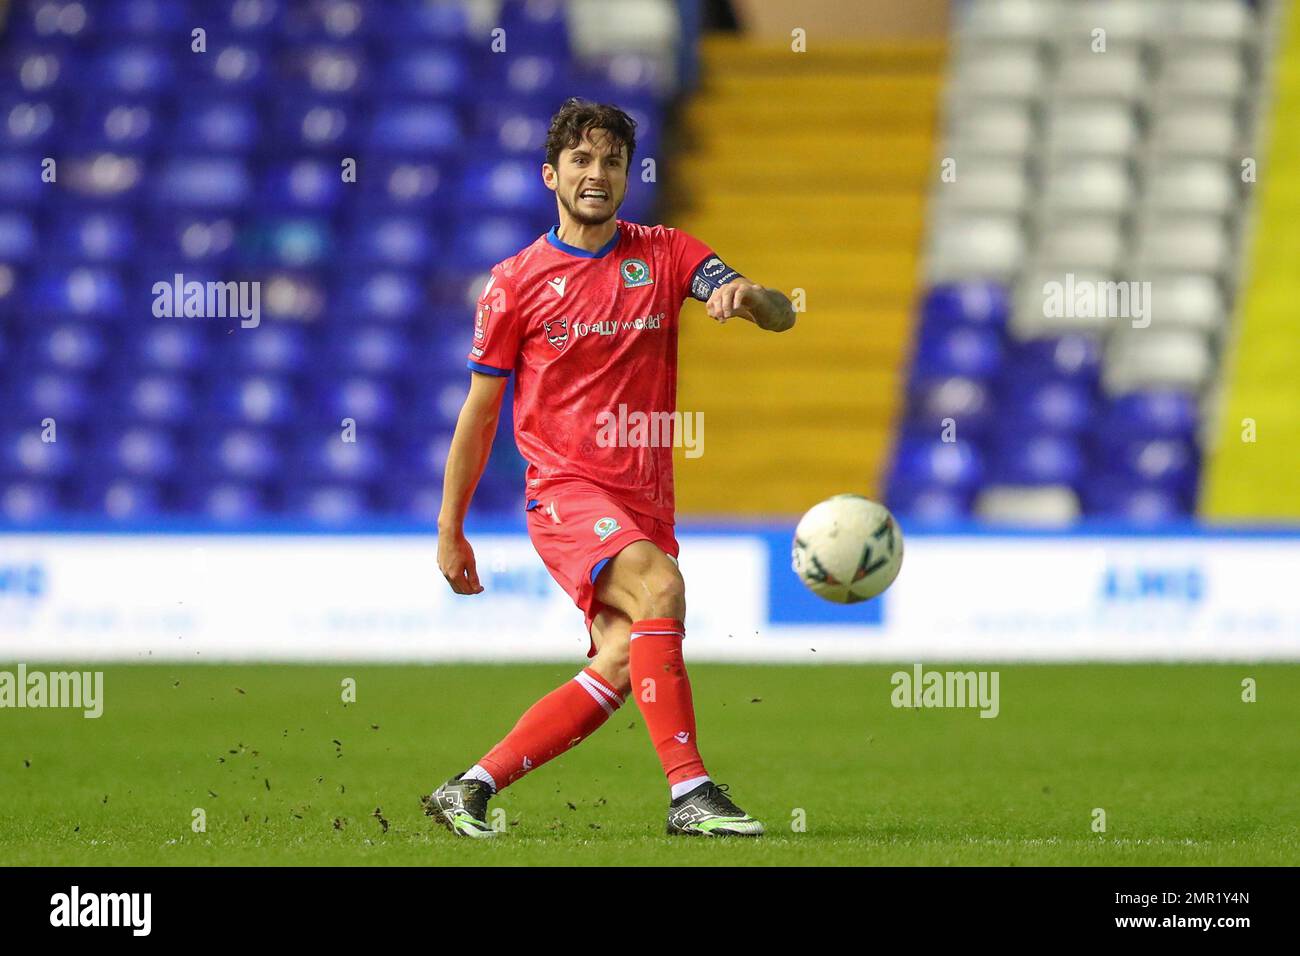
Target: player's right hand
<point>456,561</point>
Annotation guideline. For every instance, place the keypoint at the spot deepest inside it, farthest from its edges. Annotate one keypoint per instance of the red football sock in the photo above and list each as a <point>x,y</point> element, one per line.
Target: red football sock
<point>663,693</point>
<point>555,723</point>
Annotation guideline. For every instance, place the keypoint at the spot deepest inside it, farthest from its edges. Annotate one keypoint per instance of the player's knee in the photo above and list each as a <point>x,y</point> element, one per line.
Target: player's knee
<point>612,662</point>
<point>663,593</point>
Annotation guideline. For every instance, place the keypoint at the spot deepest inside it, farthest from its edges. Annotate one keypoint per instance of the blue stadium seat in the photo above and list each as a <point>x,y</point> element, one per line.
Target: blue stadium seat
<point>140,451</point>
<point>961,406</point>
<point>325,70</point>
<point>94,236</point>
<point>18,239</point>
<point>155,399</point>
<point>972,303</point>
<point>60,396</point>
<point>123,499</point>
<point>37,69</point>
<point>28,502</point>
<point>28,122</point>
<point>387,296</point>
<point>273,348</point>
<point>393,240</point>
<point>23,454</point>
<point>257,400</point>
<point>417,129</point>
<point>931,462</point>
<point>235,68</point>
<point>243,454</point>
<point>314,124</point>
<point>68,346</point>
<point>130,68</point>
<point>369,403</point>
<point>1075,358</point>
<point>228,502</point>
<point>537,26</point>
<point>145,19</point>
<point>962,350</point>
<point>219,126</point>
<point>504,186</point>
<point>307,185</point>
<point>370,349</point>
<point>1158,414</point>
<point>20,179</point>
<point>330,505</point>
<point>129,125</point>
<point>83,292</point>
<point>326,457</point>
<point>1029,406</point>
<point>437,72</point>
<point>177,347</point>
<point>1037,460</point>
<point>199,183</point>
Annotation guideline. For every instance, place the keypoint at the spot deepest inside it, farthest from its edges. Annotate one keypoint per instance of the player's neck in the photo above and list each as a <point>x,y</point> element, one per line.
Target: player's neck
<point>581,236</point>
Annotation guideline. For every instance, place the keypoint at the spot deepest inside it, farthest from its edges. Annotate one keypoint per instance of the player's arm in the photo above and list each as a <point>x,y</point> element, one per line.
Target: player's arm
<point>769,309</point>
<point>727,293</point>
<point>470,447</point>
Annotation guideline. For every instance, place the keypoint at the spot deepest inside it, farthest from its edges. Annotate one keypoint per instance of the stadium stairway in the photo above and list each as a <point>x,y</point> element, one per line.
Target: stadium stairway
<point>805,171</point>
<point>1259,478</point>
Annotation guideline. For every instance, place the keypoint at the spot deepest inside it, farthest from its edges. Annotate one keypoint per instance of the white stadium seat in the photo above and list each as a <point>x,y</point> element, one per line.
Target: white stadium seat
<point>1196,129</point>
<point>998,73</point>
<point>983,186</point>
<point>1187,301</point>
<point>1091,128</point>
<point>1203,73</point>
<point>990,129</point>
<point>968,247</point>
<point>1088,186</point>
<point>1218,21</point>
<point>1115,73</point>
<point>1008,19</point>
<point>1031,316</point>
<point>1154,358</point>
<point>1041,506</point>
<point>1070,244</point>
<point>1196,244</point>
<point>1190,186</point>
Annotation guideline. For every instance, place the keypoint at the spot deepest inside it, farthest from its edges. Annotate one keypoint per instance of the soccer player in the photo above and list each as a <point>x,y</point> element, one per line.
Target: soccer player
<point>586,318</point>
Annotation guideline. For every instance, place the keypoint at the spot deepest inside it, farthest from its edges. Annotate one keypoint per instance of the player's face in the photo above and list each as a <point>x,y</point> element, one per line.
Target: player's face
<point>591,179</point>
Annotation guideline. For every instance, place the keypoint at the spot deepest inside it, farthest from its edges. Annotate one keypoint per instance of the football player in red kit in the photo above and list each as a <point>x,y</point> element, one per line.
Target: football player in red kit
<point>586,319</point>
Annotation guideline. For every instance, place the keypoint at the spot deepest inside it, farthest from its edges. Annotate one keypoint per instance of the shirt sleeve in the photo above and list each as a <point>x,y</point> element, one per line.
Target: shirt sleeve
<point>495,347</point>
<point>697,270</point>
<point>687,252</point>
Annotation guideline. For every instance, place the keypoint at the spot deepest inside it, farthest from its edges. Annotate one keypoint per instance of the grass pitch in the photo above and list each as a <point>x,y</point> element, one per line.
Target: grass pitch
<point>286,774</point>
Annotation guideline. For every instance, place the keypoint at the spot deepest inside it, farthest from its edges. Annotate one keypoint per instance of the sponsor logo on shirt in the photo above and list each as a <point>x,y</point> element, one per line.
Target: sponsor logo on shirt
<point>557,332</point>
<point>558,284</point>
<point>635,273</point>
<point>605,527</point>
<point>480,322</point>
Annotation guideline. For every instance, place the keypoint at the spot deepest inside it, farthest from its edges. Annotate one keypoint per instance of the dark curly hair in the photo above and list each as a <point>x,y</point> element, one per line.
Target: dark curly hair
<point>570,125</point>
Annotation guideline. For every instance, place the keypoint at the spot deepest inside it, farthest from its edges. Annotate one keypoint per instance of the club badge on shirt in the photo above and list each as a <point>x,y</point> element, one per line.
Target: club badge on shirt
<point>635,273</point>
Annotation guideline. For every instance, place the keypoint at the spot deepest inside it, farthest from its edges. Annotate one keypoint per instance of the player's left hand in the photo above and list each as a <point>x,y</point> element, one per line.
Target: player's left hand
<point>736,298</point>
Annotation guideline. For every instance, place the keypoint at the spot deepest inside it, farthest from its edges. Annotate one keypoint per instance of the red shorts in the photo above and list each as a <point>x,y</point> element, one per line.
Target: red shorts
<point>577,527</point>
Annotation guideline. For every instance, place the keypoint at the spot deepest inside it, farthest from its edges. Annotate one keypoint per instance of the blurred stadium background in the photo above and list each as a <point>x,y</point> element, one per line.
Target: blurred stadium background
<point>915,174</point>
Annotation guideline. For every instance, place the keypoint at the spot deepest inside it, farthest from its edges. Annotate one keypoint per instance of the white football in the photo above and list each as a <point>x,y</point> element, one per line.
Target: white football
<point>847,549</point>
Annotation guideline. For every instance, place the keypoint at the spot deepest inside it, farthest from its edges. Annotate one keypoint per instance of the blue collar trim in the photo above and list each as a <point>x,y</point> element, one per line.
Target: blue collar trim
<point>554,239</point>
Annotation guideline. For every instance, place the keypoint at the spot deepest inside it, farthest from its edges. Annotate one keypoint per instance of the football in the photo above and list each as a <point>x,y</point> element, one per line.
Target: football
<point>847,549</point>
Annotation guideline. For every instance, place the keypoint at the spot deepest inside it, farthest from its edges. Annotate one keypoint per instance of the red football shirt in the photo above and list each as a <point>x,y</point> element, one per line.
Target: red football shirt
<point>592,339</point>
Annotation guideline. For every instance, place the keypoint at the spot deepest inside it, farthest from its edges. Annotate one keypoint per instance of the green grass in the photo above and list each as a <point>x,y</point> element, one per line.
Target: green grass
<point>1186,772</point>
